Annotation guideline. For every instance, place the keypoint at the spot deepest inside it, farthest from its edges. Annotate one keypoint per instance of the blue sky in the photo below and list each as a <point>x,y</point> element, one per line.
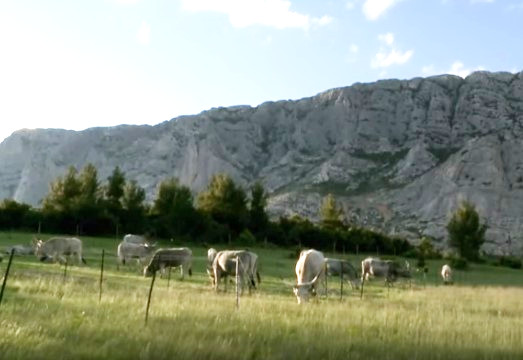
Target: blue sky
<point>78,64</point>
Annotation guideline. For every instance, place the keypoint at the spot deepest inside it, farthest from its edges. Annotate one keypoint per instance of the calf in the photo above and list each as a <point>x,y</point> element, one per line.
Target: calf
<point>390,270</point>
<point>127,251</point>
<point>224,264</point>
<point>57,248</point>
<point>167,258</point>
<point>446,274</point>
<point>335,267</point>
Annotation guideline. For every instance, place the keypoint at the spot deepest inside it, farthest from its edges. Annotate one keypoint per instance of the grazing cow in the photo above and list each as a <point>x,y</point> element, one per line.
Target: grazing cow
<point>127,251</point>
<point>135,239</point>
<point>224,264</point>
<point>21,249</point>
<point>390,270</point>
<point>310,274</point>
<point>173,257</point>
<point>57,248</point>
<point>335,268</point>
<point>446,274</point>
<point>211,254</point>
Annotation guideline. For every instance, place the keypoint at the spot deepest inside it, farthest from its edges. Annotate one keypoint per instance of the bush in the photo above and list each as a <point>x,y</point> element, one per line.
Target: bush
<point>246,238</point>
<point>509,261</point>
<point>459,263</point>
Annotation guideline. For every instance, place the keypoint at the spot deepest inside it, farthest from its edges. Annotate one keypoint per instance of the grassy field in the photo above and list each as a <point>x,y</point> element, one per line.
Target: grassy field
<point>44,317</point>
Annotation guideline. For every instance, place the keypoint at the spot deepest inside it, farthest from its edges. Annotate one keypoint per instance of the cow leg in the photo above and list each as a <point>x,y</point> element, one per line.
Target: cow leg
<point>216,278</point>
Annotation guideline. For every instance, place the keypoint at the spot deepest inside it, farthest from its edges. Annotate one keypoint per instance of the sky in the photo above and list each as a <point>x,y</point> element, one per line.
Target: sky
<point>75,64</point>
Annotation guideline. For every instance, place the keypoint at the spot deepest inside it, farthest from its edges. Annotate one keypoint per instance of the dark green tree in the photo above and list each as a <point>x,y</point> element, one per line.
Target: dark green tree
<point>331,214</point>
<point>332,220</point>
<point>88,201</point>
<point>174,209</point>
<point>466,233</point>
<point>134,208</point>
<point>13,214</point>
<point>63,194</point>
<point>258,219</point>
<point>225,203</point>
<point>114,191</point>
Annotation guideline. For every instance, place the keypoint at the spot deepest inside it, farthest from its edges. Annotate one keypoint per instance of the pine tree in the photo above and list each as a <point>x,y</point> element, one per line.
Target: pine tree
<point>466,233</point>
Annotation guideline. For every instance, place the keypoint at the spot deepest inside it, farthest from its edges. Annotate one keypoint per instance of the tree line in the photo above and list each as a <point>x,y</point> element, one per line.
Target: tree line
<point>79,203</point>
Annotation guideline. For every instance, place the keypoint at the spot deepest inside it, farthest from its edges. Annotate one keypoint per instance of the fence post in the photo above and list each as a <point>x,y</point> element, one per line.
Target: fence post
<point>362,283</point>
<point>65,270</point>
<point>341,282</point>
<point>149,298</point>
<point>237,282</point>
<point>6,274</point>
<point>101,275</point>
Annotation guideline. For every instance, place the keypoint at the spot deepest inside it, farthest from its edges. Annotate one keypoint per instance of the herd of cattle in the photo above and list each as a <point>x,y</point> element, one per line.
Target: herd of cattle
<point>312,266</point>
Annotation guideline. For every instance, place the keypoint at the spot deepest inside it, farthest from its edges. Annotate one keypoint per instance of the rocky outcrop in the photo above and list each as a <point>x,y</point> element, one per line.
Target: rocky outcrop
<point>398,154</point>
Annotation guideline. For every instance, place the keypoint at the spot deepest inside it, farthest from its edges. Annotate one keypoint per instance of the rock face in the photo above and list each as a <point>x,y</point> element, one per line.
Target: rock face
<point>399,155</point>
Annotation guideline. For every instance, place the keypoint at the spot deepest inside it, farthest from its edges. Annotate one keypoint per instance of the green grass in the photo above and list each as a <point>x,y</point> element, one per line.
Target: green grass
<point>43,317</point>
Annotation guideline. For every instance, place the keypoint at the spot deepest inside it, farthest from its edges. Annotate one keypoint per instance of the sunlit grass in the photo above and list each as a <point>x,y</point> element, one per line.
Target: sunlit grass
<point>44,316</point>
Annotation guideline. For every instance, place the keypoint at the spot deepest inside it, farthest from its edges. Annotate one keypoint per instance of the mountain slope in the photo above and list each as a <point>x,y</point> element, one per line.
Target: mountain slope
<point>399,154</point>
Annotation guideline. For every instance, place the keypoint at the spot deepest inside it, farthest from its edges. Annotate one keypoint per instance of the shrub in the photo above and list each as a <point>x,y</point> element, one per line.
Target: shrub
<point>459,263</point>
<point>509,261</point>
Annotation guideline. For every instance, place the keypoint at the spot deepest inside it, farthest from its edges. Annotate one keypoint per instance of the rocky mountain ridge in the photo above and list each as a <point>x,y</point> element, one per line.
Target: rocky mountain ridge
<point>398,154</point>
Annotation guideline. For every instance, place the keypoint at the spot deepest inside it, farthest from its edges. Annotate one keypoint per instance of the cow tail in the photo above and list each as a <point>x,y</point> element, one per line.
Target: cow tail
<point>83,260</point>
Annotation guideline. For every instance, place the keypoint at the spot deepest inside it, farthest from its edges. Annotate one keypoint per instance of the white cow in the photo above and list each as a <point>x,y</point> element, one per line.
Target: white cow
<point>224,264</point>
<point>135,239</point>
<point>335,267</point>
<point>21,249</point>
<point>211,254</point>
<point>446,274</point>
<point>173,257</point>
<point>57,248</point>
<point>127,251</point>
<point>310,274</point>
<point>390,270</point>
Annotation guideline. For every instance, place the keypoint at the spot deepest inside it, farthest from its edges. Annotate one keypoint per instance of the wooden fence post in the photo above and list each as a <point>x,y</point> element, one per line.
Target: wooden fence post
<point>65,271</point>
<point>101,275</point>
<point>362,283</point>
<point>237,282</point>
<point>6,274</point>
<point>149,298</point>
<point>341,282</point>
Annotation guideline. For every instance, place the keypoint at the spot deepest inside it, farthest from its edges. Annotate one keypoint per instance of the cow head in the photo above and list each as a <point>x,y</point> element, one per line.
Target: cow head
<point>303,292</point>
<point>37,246</point>
<point>147,271</point>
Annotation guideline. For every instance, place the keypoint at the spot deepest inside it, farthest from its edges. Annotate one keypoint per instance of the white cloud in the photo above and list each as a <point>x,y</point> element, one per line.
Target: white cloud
<point>373,9</point>
<point>388,55</point>
<point>481,1</point>
<point>457,68</point>
<point>352,55</point>
<point>428,70</point>
<point>144,34</point>
<point>350,5</point>
<point>244,13</point>
<point>324,20</point>
<point>387,38</point>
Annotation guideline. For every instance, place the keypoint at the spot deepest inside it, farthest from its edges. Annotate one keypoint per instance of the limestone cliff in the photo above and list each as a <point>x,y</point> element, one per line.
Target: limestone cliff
<point>399,154</point>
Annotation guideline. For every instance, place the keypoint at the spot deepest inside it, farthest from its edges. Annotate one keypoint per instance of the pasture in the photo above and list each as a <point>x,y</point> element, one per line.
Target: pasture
<point>44,317</point>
